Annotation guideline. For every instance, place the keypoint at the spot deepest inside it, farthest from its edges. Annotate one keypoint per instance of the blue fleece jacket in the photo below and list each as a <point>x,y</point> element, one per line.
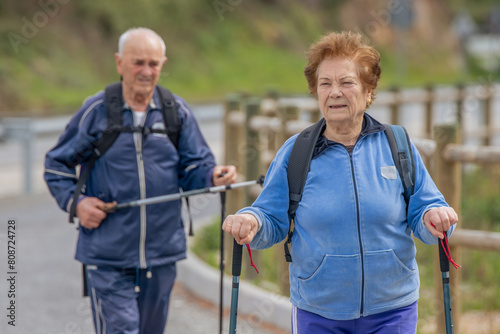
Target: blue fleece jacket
<point>135,167</point>
<point>352,247</point>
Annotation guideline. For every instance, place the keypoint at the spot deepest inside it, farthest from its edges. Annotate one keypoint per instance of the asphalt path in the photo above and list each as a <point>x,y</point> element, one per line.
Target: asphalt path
<point>48,283</point>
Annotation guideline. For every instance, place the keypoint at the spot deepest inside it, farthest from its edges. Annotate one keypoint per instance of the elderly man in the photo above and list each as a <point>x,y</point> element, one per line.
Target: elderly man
<point>130,255</point>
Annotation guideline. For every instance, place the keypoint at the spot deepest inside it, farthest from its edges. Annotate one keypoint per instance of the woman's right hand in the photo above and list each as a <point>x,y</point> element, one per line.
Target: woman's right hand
<point>242,227</point>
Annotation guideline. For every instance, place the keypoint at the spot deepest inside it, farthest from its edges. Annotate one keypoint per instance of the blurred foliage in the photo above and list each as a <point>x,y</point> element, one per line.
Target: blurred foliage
<point>481,191</point>
<point>207,243</point>
<point>57,52</point>
<point>479,10</point>
<point>55,56</point>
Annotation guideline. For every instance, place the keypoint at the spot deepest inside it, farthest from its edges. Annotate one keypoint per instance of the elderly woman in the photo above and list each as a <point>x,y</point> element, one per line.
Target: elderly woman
<point>354,268</point>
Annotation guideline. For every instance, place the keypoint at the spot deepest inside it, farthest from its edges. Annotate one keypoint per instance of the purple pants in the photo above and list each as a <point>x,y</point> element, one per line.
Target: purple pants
<point>118,308</point>
<point>399,321</point>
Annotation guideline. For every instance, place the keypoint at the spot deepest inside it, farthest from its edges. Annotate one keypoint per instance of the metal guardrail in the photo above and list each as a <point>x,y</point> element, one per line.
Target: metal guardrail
<point>25,131</point>
<point>2,132</point>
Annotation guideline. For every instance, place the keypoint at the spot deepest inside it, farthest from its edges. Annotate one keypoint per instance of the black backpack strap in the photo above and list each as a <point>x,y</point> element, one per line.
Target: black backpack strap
<point>298,168</point>
<point>170,115</point>
<point>114,103</point>
<point>402,154</point>
<point>173,129</point>
<point>84,281</point>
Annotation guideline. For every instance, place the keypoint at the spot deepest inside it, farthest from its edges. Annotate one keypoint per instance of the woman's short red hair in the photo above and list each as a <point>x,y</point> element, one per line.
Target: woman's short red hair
<point>347,45</point>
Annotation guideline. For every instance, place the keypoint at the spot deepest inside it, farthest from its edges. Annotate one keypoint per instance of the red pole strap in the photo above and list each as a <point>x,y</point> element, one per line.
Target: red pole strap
<point>446,249</point>
<point>251,260</point>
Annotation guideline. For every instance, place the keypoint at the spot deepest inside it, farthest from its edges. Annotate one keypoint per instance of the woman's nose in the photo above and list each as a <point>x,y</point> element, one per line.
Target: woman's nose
<point>335,91</point>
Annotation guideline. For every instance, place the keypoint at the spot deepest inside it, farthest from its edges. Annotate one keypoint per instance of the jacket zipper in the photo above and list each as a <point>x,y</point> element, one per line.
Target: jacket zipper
<point>359,237</point>
<point>138,140</point>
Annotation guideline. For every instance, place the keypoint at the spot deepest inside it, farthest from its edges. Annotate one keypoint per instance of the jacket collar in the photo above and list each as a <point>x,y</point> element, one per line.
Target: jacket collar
<point>370,125</point>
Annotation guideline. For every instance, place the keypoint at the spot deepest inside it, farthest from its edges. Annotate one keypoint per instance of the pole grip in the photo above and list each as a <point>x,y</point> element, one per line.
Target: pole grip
<point>443,259</point>
<point>237,255</point>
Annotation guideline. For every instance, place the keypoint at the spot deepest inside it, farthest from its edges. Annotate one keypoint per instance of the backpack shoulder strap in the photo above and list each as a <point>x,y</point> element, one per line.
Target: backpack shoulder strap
<point>298,168</point>
<point>170,115</point>
<point>399,141</point>
<point>299,161</point>
<point>113,104</point>
<point>173,129</point>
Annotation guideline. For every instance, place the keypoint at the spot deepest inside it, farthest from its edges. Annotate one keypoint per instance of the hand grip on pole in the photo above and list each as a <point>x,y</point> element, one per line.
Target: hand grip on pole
<point>444,263</point>
<point>237,258</point>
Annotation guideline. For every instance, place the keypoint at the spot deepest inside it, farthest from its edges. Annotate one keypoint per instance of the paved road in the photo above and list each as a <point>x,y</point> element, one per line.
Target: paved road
<point>48,281</point>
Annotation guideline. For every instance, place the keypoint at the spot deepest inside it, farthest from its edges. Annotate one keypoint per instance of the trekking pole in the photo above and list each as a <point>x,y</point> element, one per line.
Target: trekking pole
<point>222,264</point>
<point>445,272</point>
<point>237,255</point>
<point>173,197</point>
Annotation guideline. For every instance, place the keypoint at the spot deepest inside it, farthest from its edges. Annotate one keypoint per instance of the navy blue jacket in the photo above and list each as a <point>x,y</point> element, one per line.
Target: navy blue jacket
<point>133,168</point>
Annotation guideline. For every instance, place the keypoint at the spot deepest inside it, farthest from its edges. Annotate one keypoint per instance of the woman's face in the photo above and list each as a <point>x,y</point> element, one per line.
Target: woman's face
<point>341,94</point>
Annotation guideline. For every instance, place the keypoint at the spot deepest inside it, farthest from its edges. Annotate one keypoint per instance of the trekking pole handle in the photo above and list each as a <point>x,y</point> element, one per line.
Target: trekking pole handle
<point>443,259</point>
<point>237,258</point>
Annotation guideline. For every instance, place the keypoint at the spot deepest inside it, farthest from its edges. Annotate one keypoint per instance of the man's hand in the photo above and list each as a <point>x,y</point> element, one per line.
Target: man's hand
<point>442,218</point>
<point>242,227</point>
<point>229,175</point>
<point>90,212</point>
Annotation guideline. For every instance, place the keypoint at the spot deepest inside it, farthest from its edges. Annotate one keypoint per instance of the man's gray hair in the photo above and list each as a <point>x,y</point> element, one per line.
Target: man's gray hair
<point>126,36</point>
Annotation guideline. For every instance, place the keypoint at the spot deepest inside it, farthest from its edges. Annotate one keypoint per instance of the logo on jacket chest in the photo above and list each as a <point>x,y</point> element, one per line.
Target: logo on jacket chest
<point>159,126</point>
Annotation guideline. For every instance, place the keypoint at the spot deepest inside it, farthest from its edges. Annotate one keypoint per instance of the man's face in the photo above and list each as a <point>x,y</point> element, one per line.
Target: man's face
<point>140,64</point>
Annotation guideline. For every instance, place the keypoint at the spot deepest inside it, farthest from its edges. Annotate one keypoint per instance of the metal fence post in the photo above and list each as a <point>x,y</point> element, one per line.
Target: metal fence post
<point>21,129</point>
<point>28,159</point>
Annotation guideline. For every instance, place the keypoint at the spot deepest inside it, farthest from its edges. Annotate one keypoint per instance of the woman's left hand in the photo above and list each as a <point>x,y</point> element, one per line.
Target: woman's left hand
<point>442,218</point>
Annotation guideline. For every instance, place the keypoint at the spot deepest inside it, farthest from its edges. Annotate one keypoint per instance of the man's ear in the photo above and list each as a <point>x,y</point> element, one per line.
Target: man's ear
<point>118,60</point>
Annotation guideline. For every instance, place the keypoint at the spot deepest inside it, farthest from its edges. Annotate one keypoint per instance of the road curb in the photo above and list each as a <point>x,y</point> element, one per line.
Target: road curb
<point>261,306</point>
